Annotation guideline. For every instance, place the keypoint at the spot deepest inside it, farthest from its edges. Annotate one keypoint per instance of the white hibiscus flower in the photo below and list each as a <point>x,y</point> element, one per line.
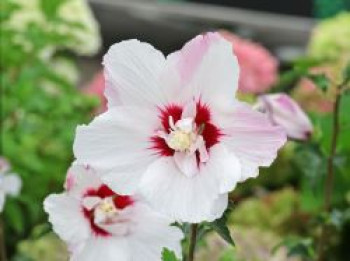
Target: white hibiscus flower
<point>173,129</point>
<point>10,184</point>
<point>98,224</point>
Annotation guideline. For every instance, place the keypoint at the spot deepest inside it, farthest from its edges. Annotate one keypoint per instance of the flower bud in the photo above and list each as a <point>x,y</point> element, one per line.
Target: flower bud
<point>282,110</point>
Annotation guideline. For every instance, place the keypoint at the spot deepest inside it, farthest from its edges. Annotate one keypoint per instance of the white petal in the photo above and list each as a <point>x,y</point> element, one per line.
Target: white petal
<point>132,71</point>
<point>153,233</point>
<point>90,202</point>
<point>251,137</point>
<point>203,153</point>
<point>189,110</point>
<point>67,219</point>
<point>104,249</point>
<point>206,68</point>
<point>219,207</point>
<point>187,163</point>
<point>117,144</point>
<point>12,184</point>
<point>185,124</point>
<point>225,166</point>
<point>174,194</point>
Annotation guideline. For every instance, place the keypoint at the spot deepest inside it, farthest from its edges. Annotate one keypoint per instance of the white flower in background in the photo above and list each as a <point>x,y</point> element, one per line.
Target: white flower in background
<point>85,40</point>
<point>173,129</point>
<point>88,39</point>
<point>10,184</point>
<point>282,110</point>
<point>98,224</point>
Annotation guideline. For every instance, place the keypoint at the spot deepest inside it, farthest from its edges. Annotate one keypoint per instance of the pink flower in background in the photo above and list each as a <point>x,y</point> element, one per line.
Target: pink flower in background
<point>98,224</point>
<point>173,131</point>
<point>282,110</point>
<point>311,97</point>
<point>97,88</point>
<point>259,69</point>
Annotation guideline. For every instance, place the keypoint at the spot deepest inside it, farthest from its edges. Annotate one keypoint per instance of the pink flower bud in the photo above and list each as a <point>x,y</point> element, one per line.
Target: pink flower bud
<point>282,110</point>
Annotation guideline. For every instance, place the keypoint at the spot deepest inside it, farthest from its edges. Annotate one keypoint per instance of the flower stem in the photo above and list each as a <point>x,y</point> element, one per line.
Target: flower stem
<point>193,241</point>
<point>2,241</point>
<point>328,189</point>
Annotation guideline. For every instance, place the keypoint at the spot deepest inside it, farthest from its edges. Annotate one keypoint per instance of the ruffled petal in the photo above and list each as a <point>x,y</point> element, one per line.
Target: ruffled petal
<point>67,219</point>
<point>251,137</point>
<point>132,71</point>
<point>117,145</point>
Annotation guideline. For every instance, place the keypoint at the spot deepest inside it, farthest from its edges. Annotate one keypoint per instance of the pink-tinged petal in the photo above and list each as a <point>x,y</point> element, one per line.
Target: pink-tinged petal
<point>251,137</point>
<point>132,71</point>
<point>117,144</point>
<point>282,110</point>
<point>69,182</point>
<point>187,164</point>
<point>205,67</point>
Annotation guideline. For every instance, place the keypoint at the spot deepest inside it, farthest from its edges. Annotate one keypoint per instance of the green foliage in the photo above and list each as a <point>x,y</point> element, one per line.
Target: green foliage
<point>40,108</point>
<point>320,80</point>
<point>228,255</point>
<point>168,255</point>
<point>220,227</point>
<point>301,247</point>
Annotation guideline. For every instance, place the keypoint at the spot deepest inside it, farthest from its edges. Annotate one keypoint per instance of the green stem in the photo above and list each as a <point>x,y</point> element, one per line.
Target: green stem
<point>193,241</point>
<point>328,189</point>
<point>2,241</point>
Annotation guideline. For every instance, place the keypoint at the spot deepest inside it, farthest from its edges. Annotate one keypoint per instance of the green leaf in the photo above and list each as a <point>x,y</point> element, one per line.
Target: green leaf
<point>320,80</point>
<point>168,255</point>
<point>221,228</point>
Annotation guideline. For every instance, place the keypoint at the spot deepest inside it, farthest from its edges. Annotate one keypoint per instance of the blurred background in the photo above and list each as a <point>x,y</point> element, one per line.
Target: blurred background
<point>51,81</point>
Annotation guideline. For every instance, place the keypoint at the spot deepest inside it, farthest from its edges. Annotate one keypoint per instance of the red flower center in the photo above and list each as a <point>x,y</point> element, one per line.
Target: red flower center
<point>120,202</point>
<point>211,134</point>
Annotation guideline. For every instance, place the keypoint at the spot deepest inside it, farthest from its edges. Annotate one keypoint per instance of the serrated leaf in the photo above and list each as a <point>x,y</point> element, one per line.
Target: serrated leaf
<point>168,255</point>
<point>221,228</point>
<point>320,80</point>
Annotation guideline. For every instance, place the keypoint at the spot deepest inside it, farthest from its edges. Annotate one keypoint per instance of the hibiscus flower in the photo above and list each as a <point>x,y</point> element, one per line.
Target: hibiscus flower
<point>99,224</point>
<point>173,130</point>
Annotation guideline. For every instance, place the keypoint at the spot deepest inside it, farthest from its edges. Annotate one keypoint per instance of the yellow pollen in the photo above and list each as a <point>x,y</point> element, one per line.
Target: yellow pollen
<point>107,207</point>
<point>180,140</point>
